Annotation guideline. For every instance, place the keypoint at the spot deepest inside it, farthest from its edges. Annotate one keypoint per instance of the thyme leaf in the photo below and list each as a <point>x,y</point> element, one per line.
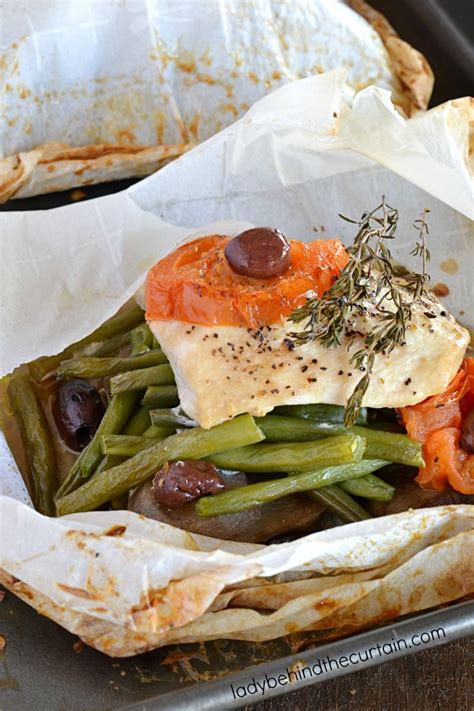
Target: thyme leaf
<point>369,276</point>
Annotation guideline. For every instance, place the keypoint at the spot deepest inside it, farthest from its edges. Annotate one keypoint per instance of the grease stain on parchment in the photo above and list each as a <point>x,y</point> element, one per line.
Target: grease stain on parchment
<point>449,266</point>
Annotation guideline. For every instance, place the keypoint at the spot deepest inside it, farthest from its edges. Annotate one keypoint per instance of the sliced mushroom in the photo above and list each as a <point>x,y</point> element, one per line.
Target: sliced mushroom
<point>296,514</point>
<point>410,495</point>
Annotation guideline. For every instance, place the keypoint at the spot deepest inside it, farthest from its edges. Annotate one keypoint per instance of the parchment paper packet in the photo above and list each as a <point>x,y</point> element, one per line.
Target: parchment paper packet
<point>125,584</point>
<point>300,156</point>
<point>97,91</point>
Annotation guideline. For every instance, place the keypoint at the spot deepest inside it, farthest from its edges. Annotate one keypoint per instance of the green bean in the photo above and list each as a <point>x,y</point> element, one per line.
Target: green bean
<point>136,425</point>
<point>138,422</point>
<point>297,456</point>
<point>370,487</point>
<point>150,437</point>
<point>278,428</point>
<point>119,503</point>
<point>171,418</point>
<point>155,343</point>
<point>154,432</point>
<point>141,379</point>
<point>138,337</point>
<point>190,444</point>
<point>100,367</point>
<point>252,495</point>
<point>335,499</point>
<point>112,445</point>
<point>112,346</point>
<point>36,441</point>
<point>139,349</point>
<point>392,446</point>
<point>123,321</point>
<point>109,461</point>
<point>116,415</point>
<point>142,339</point>
<point>333,414</point>
<point>160,396</point>
<point>128,446</point>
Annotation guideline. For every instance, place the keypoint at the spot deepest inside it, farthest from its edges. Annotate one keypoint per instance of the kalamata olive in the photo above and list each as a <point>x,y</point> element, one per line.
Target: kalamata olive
<point>180,482</point>
<point>261,252</point>
<point>467,432</point>
<point>77,411</point>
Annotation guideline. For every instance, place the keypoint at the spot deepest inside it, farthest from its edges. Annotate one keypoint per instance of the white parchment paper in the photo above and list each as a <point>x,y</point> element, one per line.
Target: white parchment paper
<point>300,156</point>
<point>166,71</point>
<point>153,584</point>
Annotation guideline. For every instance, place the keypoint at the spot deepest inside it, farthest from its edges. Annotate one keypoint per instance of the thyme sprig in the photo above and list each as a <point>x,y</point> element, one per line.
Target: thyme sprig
<point>369,278</point>
<point>421,250</point>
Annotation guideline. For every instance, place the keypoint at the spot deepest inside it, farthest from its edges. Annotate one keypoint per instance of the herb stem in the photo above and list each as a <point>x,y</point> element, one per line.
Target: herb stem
<point>368,282</point>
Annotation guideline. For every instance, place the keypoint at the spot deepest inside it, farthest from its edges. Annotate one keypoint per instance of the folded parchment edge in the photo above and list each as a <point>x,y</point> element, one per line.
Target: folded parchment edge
<point>55,166</point>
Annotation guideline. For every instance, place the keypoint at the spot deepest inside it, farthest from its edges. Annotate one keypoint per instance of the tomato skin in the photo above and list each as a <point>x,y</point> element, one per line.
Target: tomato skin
<point>436,423</point>
<point>195,284</point>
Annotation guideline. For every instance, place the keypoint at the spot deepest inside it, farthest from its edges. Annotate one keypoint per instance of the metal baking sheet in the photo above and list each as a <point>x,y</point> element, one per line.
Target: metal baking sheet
<point>43,667</point>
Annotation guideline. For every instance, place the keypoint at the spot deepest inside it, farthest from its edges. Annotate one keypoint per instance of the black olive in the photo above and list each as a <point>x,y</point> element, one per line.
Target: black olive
<point>181,482</point>
<point>467,432</point>
<point>261,252</point>
<point>77,411</point>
